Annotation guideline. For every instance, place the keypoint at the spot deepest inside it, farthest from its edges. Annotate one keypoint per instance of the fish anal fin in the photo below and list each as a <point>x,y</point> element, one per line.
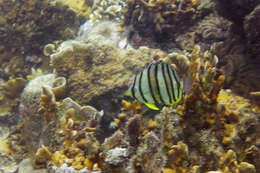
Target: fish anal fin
<point>151,106</point>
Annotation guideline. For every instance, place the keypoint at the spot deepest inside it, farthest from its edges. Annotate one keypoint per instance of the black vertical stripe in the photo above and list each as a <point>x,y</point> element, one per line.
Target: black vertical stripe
<point>157,82</point>
<point>164,79</point>
<point>133,88</point>
<point>168,72</point>
<point>149,83</point>
<point>177,80</point>
<point>140,87</point>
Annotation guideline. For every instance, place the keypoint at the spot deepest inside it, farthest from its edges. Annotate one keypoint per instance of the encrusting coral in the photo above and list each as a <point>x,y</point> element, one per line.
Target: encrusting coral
<point>29,32</point>
<point>108,10</point>
<point>14,87</point>
<point>166,19</point>
<point>82,8</point>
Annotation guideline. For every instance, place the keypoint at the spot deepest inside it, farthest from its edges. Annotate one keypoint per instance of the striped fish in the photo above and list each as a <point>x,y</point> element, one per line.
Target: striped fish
<point>157,85</point>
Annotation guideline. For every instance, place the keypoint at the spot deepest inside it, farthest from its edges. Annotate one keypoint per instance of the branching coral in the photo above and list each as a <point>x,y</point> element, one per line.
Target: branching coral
<point>79,143</point>
<point>205,99</point>
<point>73,127</point>
<point>47,103</point>
<point>206,81</point>
<point>228,163</point>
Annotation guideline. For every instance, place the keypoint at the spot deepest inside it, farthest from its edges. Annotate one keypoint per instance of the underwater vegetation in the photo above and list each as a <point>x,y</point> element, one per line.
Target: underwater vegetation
<point>62,102</point>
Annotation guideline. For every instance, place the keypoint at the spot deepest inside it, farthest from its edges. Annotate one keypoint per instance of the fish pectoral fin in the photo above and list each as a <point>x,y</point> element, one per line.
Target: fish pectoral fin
<point>127,93</point>
<point>151,106</point>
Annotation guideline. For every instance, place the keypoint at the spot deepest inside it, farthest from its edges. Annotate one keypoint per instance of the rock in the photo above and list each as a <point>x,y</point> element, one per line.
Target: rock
<point>32,119</point>
<point>116,156</point>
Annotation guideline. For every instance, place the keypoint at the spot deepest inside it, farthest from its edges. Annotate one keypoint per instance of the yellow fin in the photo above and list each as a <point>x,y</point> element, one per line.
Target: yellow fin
<point>127,93</point>
<point>151,106</point>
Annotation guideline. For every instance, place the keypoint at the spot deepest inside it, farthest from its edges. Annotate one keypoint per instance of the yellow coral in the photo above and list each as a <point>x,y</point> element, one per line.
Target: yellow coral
<point>116,121</point>
<point>43,155</point>
<point>134,107</point>
<point>122,116</point>
<point>168,170</point>
<point>47,103</point>
<point>178,152</point>
<point>4,147</point>
<point>195,2</point>
<point>79,6</point>
<point>78,161</point>
<point>48,49</point>
<point>228,161</point>
<point>152,124</point>
<point>14,87</point>
<point>245,167</point>
<point>232,101</point>
<point>230,132</point>
<point>34,73</point>
<point>88,163</point>
<point>58,158</point>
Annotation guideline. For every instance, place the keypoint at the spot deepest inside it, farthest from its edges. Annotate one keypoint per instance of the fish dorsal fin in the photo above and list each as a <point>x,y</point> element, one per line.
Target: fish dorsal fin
<point>146,65</point>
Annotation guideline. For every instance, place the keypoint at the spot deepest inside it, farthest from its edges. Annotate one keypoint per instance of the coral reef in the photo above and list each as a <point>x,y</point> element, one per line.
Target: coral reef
<point>95,62</point>
<point>112,10</point>
<point>246,68</point>
<point>214,28</point>
<point>237,60</point>
<point>248,74</point>
<point>14,87</point>
<point>24,28</point>
<point>239,9</point>
<point>72,116</point>
<point>41,24</point>
<point>166,19</point>
<point>251,27</point>
<point>33,123</point>
<point>82,8</point>
<point>74,130</point>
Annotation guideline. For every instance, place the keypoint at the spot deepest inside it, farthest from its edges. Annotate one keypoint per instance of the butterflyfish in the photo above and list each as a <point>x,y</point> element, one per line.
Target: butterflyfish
<point>158,84</point>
